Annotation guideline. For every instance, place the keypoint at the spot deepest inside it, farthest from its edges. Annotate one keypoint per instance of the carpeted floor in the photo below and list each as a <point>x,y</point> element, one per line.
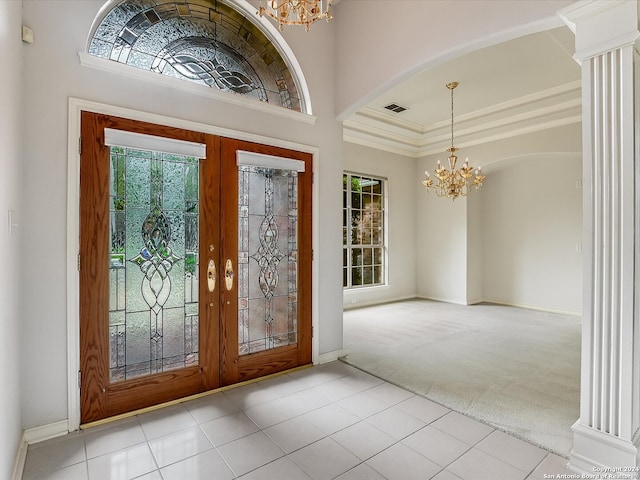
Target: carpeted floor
<point>515,369</point>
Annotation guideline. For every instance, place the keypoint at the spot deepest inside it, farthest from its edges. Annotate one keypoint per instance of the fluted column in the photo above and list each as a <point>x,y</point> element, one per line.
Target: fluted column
<point>605,435</point>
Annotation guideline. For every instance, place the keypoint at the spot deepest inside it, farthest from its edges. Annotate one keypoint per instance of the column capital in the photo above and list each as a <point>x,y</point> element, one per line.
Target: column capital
<point>601,26</point>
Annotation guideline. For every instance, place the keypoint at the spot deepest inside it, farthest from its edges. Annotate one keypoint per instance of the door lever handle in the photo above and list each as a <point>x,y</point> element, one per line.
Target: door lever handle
<point>228,274</point>
<point>211,275</point>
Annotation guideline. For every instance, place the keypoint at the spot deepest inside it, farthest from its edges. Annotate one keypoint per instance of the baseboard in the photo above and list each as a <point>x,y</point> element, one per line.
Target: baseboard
<point>330,356</point>
<point>441,299</point>
<point>21,457</point>
<point>595,452</point>
<point>477,301</point>
<point>45,432</point>
<point>534,307</point>
<point>474,301</point>
<point>370,303</point>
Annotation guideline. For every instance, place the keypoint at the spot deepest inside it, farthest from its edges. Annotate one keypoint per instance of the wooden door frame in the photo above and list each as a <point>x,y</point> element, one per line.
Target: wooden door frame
<point>76,106</point>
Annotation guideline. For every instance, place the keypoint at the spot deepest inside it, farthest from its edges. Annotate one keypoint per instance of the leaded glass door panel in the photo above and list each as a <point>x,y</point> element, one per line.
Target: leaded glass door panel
<point>266,324</point>
<point>149,326</point>
<point>153,283</point>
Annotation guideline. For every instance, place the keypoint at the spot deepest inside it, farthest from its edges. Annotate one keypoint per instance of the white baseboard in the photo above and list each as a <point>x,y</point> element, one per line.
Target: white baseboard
<point>375,301</point>
<point>442,299</point>
<point>572,313</point>
<point>476,301</point>
<point>595,452</point>
<point>21,457</point>
<point>330,356</point>
<point>45,432</point>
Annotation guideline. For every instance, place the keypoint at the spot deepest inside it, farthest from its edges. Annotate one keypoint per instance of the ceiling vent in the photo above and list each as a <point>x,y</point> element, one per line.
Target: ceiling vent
<point>394,107</point>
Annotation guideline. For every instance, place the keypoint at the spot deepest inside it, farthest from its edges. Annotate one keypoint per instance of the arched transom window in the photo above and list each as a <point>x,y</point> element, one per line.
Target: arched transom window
<point>203,41</point>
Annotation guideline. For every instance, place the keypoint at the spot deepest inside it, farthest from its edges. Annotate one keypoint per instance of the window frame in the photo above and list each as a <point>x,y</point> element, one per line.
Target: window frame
<point>348,246</point>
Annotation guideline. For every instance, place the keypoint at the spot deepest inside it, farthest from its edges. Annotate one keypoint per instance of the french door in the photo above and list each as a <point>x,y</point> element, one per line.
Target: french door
<point>195,263</point>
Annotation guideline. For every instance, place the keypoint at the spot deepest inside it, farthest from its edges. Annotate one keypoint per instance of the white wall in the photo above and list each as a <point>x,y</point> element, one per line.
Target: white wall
<point>441,244</point>
<point>10,185</point>
<point>398,170</point>
<point>475,247</point>
<point>514,241</point>
<point>389,41</point>
<point>53,74</point>
<point>532,224</point>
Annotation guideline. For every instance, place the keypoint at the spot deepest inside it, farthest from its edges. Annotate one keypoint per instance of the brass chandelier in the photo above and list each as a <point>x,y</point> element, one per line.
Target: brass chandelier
<point>454,183</point>
<point>296,12</point>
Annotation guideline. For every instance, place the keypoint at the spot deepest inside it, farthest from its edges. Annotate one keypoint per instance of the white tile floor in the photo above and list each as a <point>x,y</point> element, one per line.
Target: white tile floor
<point>326,422</point>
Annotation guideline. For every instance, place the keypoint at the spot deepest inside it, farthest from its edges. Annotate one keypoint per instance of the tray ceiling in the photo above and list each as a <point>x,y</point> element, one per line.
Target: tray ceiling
<point>528,84</point>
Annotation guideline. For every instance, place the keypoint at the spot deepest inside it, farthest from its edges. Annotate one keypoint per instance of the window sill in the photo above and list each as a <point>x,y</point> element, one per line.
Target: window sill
<point>134,73</point>
<point>365,287</point>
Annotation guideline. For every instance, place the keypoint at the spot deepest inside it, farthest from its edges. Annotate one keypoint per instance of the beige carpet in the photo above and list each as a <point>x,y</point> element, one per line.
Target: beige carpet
<point>515,369</point>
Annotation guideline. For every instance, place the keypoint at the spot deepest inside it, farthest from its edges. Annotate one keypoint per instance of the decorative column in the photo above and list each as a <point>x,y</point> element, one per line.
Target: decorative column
<point>605,436</point>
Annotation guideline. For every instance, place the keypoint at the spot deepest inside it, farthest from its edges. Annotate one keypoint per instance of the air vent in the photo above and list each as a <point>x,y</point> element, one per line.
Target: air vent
<point>394,107</point>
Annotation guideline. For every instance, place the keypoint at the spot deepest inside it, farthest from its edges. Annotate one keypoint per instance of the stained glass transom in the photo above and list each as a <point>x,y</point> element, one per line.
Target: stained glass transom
<point>153,271</point>
<point>202,41</point>
<point>267,258</point>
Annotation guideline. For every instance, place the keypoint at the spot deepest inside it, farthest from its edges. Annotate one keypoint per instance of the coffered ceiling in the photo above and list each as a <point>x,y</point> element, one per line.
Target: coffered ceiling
<point>528,84</point>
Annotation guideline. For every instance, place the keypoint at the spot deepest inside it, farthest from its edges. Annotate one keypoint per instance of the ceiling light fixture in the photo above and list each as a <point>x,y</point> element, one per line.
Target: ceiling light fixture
<point>296,12</point>
<point>454,183</point>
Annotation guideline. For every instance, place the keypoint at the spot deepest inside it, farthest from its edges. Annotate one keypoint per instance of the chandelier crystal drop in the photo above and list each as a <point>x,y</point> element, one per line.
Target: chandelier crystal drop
<point>296,12</point>
<point>453,183</point>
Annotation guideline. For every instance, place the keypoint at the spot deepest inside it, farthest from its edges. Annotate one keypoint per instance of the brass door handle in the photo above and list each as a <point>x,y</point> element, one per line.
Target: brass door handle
<point>211,276</point>
<point>228,274</point>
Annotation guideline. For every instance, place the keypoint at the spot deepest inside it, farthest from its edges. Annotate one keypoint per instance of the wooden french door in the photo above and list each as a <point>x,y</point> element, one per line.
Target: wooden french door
<point>266,225</point>
<point>194,272</point>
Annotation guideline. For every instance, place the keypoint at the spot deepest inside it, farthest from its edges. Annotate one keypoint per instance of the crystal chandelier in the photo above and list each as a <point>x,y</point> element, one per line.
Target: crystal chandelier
<point>296,12</point>
<point>454,183</point>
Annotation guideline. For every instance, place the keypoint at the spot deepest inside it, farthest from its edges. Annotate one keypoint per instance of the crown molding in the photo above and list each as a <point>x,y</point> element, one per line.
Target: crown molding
<point>370,140</point>
<point>387,118</point>
<point>542,110</point>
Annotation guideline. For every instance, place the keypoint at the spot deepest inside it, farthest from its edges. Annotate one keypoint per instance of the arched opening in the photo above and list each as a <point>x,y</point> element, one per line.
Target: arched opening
<point>516,242</point>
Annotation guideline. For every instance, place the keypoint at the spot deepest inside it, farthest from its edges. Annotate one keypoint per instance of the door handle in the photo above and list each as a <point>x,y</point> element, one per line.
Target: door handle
<point>211,275</point>
<point>228,274</point>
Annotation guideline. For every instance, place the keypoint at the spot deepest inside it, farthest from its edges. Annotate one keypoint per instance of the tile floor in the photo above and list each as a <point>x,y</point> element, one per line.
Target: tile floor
<point>329,421</point>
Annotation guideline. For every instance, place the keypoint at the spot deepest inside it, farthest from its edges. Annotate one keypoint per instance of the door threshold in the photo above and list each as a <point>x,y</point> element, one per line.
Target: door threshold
<point>159,406</point>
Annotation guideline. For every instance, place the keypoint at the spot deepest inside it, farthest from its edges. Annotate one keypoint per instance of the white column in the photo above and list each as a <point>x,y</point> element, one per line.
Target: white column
<point>605,435</point>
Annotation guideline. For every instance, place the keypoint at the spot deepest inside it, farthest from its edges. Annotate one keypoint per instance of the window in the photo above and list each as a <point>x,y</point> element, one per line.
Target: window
<point>206,42</point>
<point>363,231</point>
